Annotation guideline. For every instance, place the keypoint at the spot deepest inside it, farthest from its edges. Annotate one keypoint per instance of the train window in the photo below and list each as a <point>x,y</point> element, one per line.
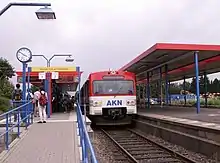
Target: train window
<point>113,87</point>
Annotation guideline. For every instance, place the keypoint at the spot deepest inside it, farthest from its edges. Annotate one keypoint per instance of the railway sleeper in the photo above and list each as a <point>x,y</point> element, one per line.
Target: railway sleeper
<point>146,152</point>
<point>152,156</point>
<point>142,148</point>
<point>161,160</point>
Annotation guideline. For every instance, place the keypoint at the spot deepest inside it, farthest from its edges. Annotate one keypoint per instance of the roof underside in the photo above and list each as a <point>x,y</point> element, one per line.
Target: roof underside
<point>178,57</point>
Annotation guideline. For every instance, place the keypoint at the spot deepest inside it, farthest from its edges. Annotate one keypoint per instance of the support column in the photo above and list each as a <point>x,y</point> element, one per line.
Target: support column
<point>23,109</point>
<point>24,82</point>
<point>206,88</point>
<point>169,92</point>
<point>161,88</point>
<point>47,89</point>
<point>197,82</point>
<point>138,95</point>
<point>167,85</point>
<point>184,89</point>
<point>148,91</point>
<point>143,95</point>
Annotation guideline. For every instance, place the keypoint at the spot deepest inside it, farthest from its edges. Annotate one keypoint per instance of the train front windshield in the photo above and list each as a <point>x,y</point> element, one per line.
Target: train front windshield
<point>113,87</point>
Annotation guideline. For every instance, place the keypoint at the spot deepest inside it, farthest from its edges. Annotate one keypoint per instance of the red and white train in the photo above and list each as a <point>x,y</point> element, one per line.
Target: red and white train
<point>109,97</point>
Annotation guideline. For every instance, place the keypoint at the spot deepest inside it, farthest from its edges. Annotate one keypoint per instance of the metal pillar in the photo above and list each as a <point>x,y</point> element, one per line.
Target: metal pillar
<point>184,89</point>
<point>29,106</point>
<point>161,88</point>
<point>169,92</point>
<point>24,81</point>
<point>139,96</point>
<point>29,72</point>
<point>143,95</point>
<point>197,82</point>
<point>22,4</point>
<point>148,91</point>
<point>49,108</point>
<point>166,85</point>
<point>206,88</point>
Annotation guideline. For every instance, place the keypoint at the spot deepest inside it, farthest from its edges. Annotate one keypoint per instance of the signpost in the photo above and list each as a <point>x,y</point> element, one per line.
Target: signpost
<point>42,75</point>
<point>53,69</point>
<point>55,75</point>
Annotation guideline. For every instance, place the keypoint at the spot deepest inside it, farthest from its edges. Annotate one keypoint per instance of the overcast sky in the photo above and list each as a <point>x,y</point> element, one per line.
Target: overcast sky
<point>103,34</point>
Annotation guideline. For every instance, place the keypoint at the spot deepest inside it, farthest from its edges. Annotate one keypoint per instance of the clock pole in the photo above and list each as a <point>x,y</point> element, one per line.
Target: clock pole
<point>24,55</point>
<point>24,80</point>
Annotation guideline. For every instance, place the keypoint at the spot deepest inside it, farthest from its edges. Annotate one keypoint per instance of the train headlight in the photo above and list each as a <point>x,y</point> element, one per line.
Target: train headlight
<point>95,103</point>
<point>131,102</point>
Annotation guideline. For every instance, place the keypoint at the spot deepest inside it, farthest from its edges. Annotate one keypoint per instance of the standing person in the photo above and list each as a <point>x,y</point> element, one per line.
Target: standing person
<point>17,97</point>
<point>42,102</point>
<point>36,103</point>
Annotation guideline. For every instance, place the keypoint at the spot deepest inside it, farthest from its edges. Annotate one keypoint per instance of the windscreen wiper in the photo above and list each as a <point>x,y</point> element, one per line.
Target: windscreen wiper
<point>118,91</point>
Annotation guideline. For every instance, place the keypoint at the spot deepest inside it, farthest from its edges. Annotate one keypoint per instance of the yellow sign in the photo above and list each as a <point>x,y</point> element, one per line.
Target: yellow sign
<point>53,69</point>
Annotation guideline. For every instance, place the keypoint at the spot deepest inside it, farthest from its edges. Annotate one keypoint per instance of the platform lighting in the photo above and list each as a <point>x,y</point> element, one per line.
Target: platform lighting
<point>45,13</point>
<point>69,59</point>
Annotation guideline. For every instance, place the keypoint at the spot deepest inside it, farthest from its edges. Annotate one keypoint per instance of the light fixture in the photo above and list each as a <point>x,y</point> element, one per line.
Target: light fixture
<point>69,59</point>
<point>45,13</point>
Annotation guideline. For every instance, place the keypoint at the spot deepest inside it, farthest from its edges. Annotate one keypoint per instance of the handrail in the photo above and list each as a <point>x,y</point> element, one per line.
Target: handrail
<point>26,109</point>
<point>84,138</point>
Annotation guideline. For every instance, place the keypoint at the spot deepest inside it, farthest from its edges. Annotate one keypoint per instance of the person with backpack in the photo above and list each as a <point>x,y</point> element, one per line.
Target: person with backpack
<point>42,103</point>
<point>17,97</point>
<point>36,102</point>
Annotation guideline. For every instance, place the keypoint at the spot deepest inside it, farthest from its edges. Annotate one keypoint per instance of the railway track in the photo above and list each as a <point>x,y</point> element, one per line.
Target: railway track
<point>140,149</point>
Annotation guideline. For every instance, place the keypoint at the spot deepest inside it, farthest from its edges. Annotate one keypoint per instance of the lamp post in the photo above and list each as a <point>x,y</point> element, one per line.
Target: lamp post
<point>47,78</point>
<point>42,13</point>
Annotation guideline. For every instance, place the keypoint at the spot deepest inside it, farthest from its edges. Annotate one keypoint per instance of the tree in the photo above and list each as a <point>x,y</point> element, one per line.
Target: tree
<point>34,88</point>
<point>6,69</point>
<point>6,72</point>
<point>175,88</point>
<point>6,88</point>
<point>215,86</point>
<point>193,86</point>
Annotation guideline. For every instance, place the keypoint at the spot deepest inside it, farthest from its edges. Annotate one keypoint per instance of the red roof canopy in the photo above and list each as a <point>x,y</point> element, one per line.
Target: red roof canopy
<point>178,57</point>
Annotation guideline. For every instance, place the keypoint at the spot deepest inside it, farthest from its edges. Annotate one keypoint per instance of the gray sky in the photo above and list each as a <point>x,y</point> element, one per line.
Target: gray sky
<point>104,34</point>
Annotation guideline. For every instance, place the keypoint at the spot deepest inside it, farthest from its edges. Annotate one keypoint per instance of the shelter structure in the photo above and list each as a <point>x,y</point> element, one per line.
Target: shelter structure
<point>174,62</point>
<point>67,79</point>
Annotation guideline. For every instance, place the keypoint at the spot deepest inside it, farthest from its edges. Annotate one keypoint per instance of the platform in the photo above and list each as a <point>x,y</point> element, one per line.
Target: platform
<point>53,142</point>
<point>206,117</point>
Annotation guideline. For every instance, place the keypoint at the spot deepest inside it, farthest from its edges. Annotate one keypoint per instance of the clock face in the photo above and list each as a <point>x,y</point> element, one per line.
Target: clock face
<point>24,55</point>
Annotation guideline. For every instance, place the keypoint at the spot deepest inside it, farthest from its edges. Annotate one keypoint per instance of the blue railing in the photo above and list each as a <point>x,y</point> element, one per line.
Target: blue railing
<point>84,139</point>
<point>25,110</point>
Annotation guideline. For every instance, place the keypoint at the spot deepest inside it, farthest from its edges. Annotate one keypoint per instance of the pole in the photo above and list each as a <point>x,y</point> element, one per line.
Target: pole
<point>148,90</point>
<point>169,92</point>
<point>48,94</point>
<point>22,4</point>
<point>23,90</point>
<point>24,81</point>
<point>29,106</point>
<point>166,85</point>
<point>206,88</point>
<point>197,82</point>
<point>161,89</point>
<point>48,90</point>
<point>184,89</point>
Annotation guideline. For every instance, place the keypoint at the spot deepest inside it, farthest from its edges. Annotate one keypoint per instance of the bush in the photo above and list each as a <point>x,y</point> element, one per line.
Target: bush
<point>202,102</point>
<point>215,102</point>
<point>191,102</point>
<point>4,104</point>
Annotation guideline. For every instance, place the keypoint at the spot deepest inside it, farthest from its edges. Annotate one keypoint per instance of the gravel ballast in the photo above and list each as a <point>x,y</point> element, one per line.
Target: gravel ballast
<point>194,156</point>
<point>105,150</point>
